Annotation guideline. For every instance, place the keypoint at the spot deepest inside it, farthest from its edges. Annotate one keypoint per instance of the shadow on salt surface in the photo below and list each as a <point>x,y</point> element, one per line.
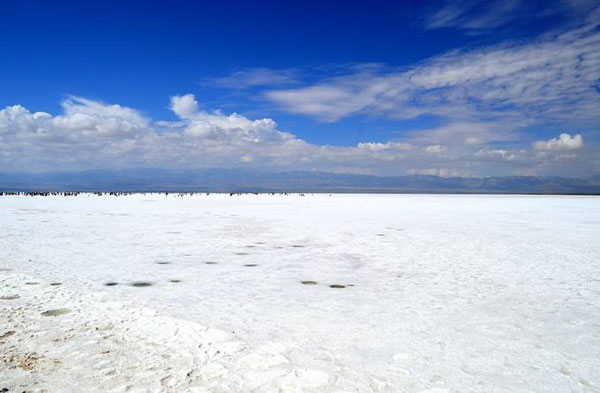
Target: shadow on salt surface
<point>141,284</point>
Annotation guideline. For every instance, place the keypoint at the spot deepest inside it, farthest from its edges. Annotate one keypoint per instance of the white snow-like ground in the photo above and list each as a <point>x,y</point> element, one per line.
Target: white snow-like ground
<point>443,293</point>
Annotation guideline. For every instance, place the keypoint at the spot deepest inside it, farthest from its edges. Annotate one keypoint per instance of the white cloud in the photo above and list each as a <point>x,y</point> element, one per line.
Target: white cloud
<point>563,142</point>
<point>186,106</point>
<point>243,79</point>
<point>441,172</point>
<point>378,146</point>
<point>200,124</point>
<point>483,16</point>
<point>496,154</point>
<point>554,77</point>
<point>473,140</point>
<point>89,134</point>
<point>435,149</point>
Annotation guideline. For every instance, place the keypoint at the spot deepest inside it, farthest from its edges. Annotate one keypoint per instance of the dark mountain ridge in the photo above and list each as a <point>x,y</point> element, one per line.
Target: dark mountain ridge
<point>234,180</point>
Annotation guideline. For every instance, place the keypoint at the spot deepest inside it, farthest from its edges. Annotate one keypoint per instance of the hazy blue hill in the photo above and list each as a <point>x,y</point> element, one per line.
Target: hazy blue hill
<point>226,180</point>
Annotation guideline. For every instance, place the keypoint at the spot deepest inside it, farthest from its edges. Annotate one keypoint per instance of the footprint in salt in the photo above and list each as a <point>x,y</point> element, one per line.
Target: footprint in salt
<point>10,297</point>
<point>309,282</point>
<point>337,286</point>
<point>111,284</point>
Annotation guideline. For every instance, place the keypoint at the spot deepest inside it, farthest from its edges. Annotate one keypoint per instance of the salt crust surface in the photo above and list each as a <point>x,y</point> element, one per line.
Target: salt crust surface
<point>432,293</point>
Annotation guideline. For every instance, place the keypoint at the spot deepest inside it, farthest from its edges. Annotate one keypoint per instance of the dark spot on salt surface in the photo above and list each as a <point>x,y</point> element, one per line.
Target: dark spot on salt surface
<point>297,245</point>
<point>211,263</point>
<point>250,246</point>
<point>337,286</point>
<point>260,243</point>
<point>141,284</point>
<point>309,282</point>
<point>175,280</point>
<point>163,263</point>
<point>111,284</point>
<point>250,264</point>
<point>7,334</point>
<point>10,297</point>
<point>56,312</point>
<point>31,283</point>
<point>54,284</point>
<point>242,253</point>
<point>380,234</point>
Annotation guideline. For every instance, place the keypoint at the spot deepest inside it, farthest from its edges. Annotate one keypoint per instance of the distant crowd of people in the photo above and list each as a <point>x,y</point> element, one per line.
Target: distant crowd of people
<point>124,193</point>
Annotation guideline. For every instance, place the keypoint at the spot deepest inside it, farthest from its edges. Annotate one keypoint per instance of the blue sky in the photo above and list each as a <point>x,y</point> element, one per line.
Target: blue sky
<point>473,88</point>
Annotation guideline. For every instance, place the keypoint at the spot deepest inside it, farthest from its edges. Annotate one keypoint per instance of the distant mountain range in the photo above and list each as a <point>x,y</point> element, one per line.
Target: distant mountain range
<point>233,180</point>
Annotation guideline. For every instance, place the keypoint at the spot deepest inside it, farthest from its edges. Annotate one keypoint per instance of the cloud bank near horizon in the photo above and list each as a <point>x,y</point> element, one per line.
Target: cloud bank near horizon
<point>90,134</point>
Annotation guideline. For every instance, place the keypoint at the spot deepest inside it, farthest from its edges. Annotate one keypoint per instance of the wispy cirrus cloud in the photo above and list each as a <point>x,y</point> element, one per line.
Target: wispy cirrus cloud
<point>255,77</point>
<point>555,77</point>
<point>476,17</point>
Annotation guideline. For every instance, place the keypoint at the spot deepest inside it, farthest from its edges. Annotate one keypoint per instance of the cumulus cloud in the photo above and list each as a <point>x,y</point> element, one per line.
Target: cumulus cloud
<point>186,106</point>
<point>90,134</point>
<point>563,142</point>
